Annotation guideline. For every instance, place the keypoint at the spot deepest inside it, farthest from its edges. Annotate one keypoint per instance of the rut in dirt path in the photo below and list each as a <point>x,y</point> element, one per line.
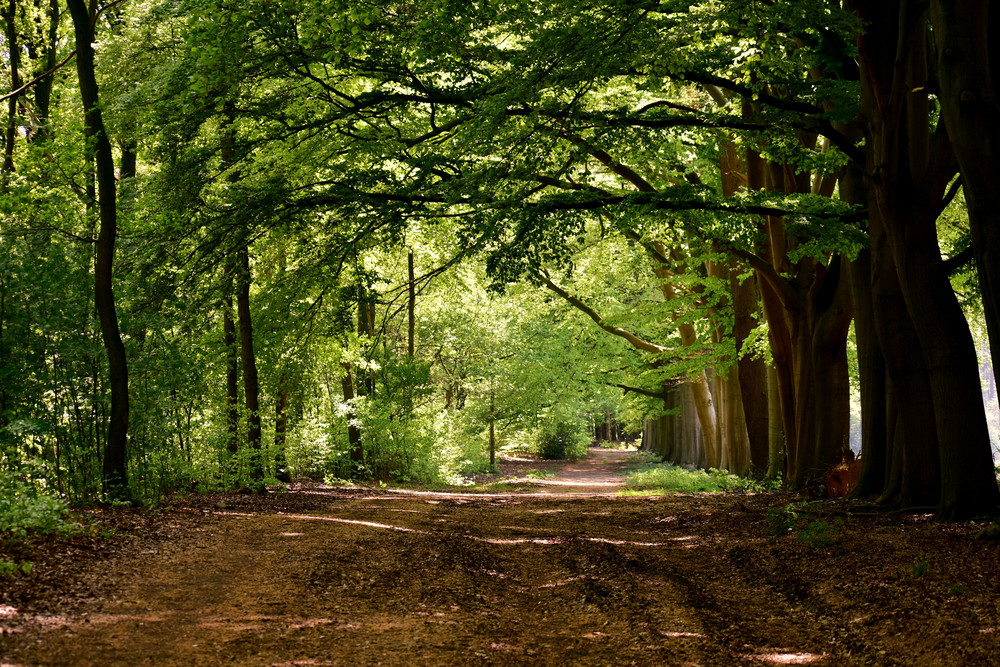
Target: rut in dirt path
<point>399,579</point>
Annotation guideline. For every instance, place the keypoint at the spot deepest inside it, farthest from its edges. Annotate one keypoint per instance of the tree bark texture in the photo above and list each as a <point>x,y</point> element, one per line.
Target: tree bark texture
<point>115,471</point>
<point>967,59</point>
<point>808,310</point>
<point>910,165</point>
<point>357,452</point>
<point>13,50</point>
<point>251,383</point>
<point>232,352</point>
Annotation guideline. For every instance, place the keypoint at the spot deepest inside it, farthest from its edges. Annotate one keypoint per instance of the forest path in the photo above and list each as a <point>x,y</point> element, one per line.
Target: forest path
<point>328,576</point>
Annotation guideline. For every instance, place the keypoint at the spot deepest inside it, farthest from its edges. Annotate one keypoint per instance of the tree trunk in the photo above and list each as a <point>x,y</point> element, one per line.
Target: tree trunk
<point>808,317</point>
<point>775,439</point>
<point>356,449</point>
<point>493,436</point>
<point>13,50</point>
<point>411,307</point>
<point>115,473</point>
<point>910,165</point>
<point>752,372</point>
<point>967,34</point>
<point>280,429</point>
<point>232,352</point>
<point>43,89</point>
<point>251,384</point>
<point>871,369</point>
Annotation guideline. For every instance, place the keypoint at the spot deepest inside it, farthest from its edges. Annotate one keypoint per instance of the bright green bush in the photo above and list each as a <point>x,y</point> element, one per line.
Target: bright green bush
<point>24,510</point>
<point>649,474</point>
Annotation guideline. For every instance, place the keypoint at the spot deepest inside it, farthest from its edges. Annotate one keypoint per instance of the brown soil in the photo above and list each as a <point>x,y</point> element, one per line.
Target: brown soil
<point>561,573</point>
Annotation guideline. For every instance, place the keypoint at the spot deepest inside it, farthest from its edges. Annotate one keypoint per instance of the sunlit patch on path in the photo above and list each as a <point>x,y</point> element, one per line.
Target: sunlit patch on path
<point>445,579</point>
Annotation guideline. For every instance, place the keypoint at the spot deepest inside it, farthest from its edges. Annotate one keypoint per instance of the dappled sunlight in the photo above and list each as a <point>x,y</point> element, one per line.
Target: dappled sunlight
<point>555,539</point>
<point>604,540</point>
<point>563,582</point>
<point>6,611</point>
<point>292,534</point>
<point>682,635</point>
<point>312,623</point>
<point>370,524</point>
<point>788,658</point>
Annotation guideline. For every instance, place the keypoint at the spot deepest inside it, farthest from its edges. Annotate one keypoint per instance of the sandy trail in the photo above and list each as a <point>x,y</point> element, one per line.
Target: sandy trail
<point>566,574</point>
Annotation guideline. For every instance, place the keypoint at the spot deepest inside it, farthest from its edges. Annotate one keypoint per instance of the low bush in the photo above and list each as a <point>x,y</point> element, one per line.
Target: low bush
<point>562,439</point>
<point>647,473</point>
<point>24,510</point>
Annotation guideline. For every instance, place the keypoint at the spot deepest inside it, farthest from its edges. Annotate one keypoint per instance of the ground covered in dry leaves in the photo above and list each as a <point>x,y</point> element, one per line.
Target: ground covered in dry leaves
<point>558,570</point>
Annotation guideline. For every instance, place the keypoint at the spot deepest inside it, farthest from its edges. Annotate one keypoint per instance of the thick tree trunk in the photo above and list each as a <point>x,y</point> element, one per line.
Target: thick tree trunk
<point>914,463</point>
<point>910,166</point>
<point>808,319</point>
<point>251,383</point>
<point>115,471</point>
<point>967,34</point>
<point>831,322</point>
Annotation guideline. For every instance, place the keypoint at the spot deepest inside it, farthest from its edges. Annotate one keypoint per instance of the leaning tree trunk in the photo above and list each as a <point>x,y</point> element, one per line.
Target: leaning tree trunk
<point>115,472</point>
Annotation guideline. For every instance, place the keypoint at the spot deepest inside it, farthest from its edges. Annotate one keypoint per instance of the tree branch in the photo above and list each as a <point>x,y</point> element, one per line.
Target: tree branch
<point>15,93</point>
<point>664,394</point>
<point>636,342</point>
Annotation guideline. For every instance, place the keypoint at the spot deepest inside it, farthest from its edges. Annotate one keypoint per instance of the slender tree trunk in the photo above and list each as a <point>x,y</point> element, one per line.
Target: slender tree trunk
<point>13,50</point>
<point>251,384</point>
<point>115,473</point>
<point>411,307</point>
<point>871,369</point>
<point>357,452</point>
<point>232,352</point>
<point>280,429</point>
<point>493,437</point>
<point>752,371</point>
<point>775,441</point>
<point>43,89</point>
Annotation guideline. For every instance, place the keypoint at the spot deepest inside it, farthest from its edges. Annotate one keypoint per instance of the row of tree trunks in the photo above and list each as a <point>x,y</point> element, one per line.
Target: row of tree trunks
<point>676,437</point>
<point>807,305</point>
<point>910,165</point>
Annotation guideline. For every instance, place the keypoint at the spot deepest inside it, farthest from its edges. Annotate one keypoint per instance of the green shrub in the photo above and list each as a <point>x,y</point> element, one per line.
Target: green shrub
<point>25,510</point>
<point>647,473</point>
<point>561,438</point>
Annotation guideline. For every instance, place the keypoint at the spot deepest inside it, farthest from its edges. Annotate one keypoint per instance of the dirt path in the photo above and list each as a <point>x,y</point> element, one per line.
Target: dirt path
<point>428,579</point>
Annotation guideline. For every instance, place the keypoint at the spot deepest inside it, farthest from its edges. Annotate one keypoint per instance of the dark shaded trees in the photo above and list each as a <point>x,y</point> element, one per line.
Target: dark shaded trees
<point>115,448</point>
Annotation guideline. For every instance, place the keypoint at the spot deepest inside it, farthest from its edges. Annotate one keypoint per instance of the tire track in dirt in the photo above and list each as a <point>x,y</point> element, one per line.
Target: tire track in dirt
<point>575,577</point>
